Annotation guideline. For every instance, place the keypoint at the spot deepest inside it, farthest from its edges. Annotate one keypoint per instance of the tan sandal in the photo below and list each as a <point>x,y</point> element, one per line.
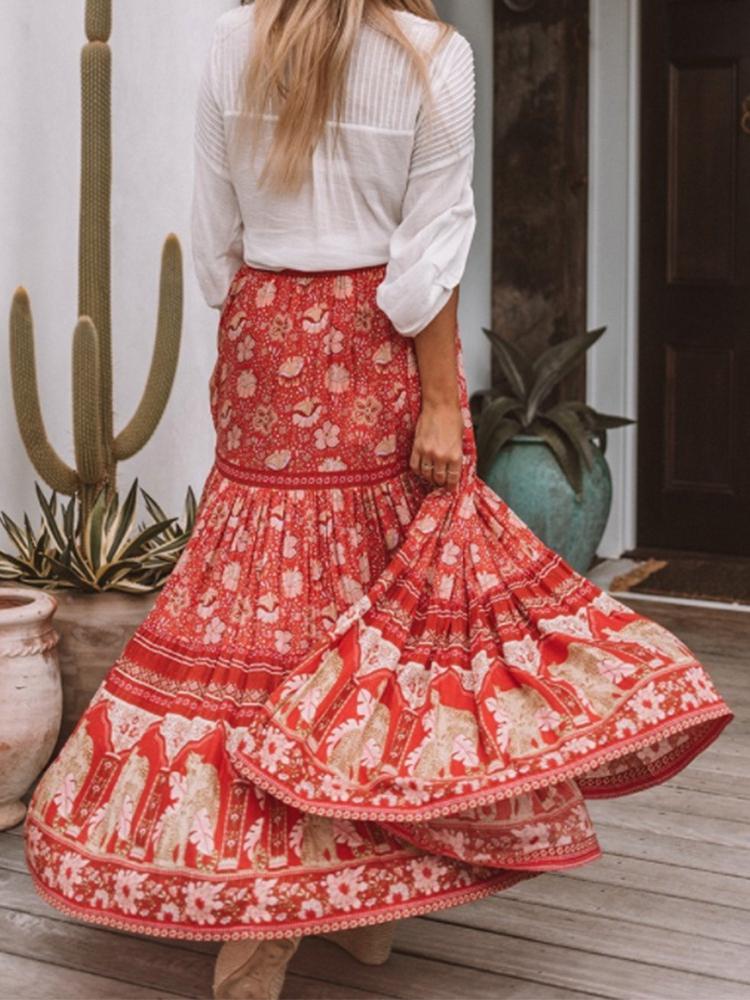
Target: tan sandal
<point>251,969</point>
<point>370,945</point>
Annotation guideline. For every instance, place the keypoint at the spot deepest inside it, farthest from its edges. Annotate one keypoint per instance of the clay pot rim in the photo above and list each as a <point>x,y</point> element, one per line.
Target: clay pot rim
<point>33,605</point>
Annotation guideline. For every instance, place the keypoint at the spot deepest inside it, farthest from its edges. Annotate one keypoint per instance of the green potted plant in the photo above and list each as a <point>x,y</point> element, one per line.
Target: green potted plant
<point>105,567</point>
<point>546,462</point>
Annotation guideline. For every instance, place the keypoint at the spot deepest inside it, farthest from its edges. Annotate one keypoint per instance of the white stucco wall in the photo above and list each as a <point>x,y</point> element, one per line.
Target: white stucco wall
<point>158,55</point>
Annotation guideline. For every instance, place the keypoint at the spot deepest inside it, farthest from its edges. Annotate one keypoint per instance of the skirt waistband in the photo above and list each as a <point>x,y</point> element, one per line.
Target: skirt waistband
<point>313,274</point>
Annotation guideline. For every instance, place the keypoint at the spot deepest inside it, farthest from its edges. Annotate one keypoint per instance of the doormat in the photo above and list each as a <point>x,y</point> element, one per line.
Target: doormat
<point>701,577</point>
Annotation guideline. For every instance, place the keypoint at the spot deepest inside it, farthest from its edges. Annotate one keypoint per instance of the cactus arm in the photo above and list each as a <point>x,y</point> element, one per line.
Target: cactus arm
<point>94,243</point>
<point>98,20</point>
<point>53,470</point>
<point>87,435</point>
<point>164,358</point>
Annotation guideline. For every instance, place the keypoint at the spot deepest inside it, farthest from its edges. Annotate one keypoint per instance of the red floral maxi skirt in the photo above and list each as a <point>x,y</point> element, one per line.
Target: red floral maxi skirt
<point>357,697</point>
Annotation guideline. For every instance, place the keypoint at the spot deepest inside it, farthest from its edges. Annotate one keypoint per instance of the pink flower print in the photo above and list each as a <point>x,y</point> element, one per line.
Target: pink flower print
<point>647,704</point>
<point>274,751</point>
<point>392,538</point>
<point>345,888</point>
<point>533,837</point>
<point>292,582</point>
<point>128,891</point>
<point>399,892</point>
<point>281,327</point>
<point>386,446</point>
<point>242,610</point>
<point>213,632</point>
<point>264,417</point>
<point>547,719</point>
<point>289,547</point>
<point>332,465</point>
<point>450,553</point>
<point>291,367</point>
<point>366,410</point>
<point>316,570</point>
<point>245,349</point>
<point>207,603</point>
<point>425,874</point>
<point>241,540</point>
<point>306,412</point>
<point>316,319</point>
<point>363,315</point>
<point>351,589</point>
<point>203,901</point>
<point>278,460</point>
<point>267,608</point>
<point>327,436</point>
<point>383,354</point>
<point>282,641</point>
<point>616,669</point>
<point>234,438</point>
<point>333,342</point>
<point>246,384</point>
<point>343,286</point>
<point>265,294</point>
<point>310,908</point>
<point>234,327</point>
<point>337,378</point>
<point>465,752</point>
<point>225,413</point>
<point>523,653</point>
<point>230,578</point>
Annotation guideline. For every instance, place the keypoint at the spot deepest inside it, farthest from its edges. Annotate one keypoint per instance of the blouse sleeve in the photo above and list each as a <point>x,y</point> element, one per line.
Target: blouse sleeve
<point>429,248</point>
<point>216,222</point>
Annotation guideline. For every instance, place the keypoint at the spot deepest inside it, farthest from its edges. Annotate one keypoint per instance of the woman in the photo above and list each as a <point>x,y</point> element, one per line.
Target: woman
<point>367,690</point>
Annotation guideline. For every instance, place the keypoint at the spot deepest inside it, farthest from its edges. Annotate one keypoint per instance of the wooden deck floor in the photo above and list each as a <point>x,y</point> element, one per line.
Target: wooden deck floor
<point>664,915</point>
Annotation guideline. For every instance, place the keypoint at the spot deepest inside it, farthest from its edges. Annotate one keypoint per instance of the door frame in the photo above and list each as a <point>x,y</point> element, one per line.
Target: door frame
<point>613,246</point>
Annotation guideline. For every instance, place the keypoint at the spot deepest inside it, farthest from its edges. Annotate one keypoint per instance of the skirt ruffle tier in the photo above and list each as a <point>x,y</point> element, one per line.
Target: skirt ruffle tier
<point>356,698</point>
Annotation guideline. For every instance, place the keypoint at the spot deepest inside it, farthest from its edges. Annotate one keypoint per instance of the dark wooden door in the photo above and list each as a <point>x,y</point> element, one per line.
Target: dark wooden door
<point>694,339</point>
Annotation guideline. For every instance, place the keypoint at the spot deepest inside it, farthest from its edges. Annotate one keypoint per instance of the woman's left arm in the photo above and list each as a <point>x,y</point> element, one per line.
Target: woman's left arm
<point>438,437</point>
<point>216,223</point>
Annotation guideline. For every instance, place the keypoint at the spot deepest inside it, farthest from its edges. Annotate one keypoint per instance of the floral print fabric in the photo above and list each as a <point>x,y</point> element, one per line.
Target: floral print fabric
<point>356,697</point>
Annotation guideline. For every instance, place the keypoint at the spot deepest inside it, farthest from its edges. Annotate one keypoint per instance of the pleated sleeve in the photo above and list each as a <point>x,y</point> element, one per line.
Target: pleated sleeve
<point>429,247</point>
<point>216,222</point>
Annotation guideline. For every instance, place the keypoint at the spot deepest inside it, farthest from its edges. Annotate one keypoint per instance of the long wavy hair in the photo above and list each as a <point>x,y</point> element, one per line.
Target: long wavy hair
<point>297,71</point>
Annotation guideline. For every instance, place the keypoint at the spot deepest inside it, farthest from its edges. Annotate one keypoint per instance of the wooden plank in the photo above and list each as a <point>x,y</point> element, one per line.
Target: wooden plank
<point>665,879</point>
<point>568,968</point>
<point>629,815</point>
<point>676,800</point>
<point>409,975</point>
<point>609,936</point>
<point>648,908</point>
<point>24,977</point>
<point>680,852</point>
<point>11,853</point>
<point>143,961</point>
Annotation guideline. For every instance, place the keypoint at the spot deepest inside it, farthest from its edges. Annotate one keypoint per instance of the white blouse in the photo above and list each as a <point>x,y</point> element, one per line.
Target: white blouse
<point>397,191</point>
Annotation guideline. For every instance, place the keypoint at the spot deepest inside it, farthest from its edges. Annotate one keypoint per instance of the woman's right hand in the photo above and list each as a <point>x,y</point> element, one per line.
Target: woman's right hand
<point>438,444</point>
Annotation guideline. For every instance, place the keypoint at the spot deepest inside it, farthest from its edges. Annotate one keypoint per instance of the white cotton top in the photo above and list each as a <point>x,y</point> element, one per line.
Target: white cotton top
<point>397,191</point>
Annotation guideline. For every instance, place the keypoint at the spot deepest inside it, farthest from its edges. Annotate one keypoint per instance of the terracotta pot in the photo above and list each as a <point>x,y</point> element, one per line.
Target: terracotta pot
<point>30,694</point>
<point>94,629</point>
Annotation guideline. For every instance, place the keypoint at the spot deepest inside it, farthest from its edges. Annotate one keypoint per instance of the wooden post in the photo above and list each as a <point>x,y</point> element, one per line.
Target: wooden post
<point>540,184</point>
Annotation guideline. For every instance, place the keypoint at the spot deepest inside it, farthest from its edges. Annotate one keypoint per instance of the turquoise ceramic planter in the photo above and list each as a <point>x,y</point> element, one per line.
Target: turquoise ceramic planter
<point>527,477</point>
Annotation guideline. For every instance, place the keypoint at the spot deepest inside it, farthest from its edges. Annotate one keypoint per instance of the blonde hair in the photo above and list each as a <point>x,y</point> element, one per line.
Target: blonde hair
<point>298,68</point>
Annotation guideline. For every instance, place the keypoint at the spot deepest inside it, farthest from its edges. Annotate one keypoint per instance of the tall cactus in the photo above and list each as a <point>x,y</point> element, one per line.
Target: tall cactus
<point>97,448</point>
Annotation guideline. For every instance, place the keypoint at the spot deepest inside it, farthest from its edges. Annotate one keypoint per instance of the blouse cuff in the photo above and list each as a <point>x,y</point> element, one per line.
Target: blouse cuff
<point>428,254</point>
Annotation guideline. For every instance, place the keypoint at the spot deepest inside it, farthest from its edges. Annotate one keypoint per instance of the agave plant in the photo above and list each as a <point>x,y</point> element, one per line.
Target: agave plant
<point>570,429</point>
<point>105,551</point>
